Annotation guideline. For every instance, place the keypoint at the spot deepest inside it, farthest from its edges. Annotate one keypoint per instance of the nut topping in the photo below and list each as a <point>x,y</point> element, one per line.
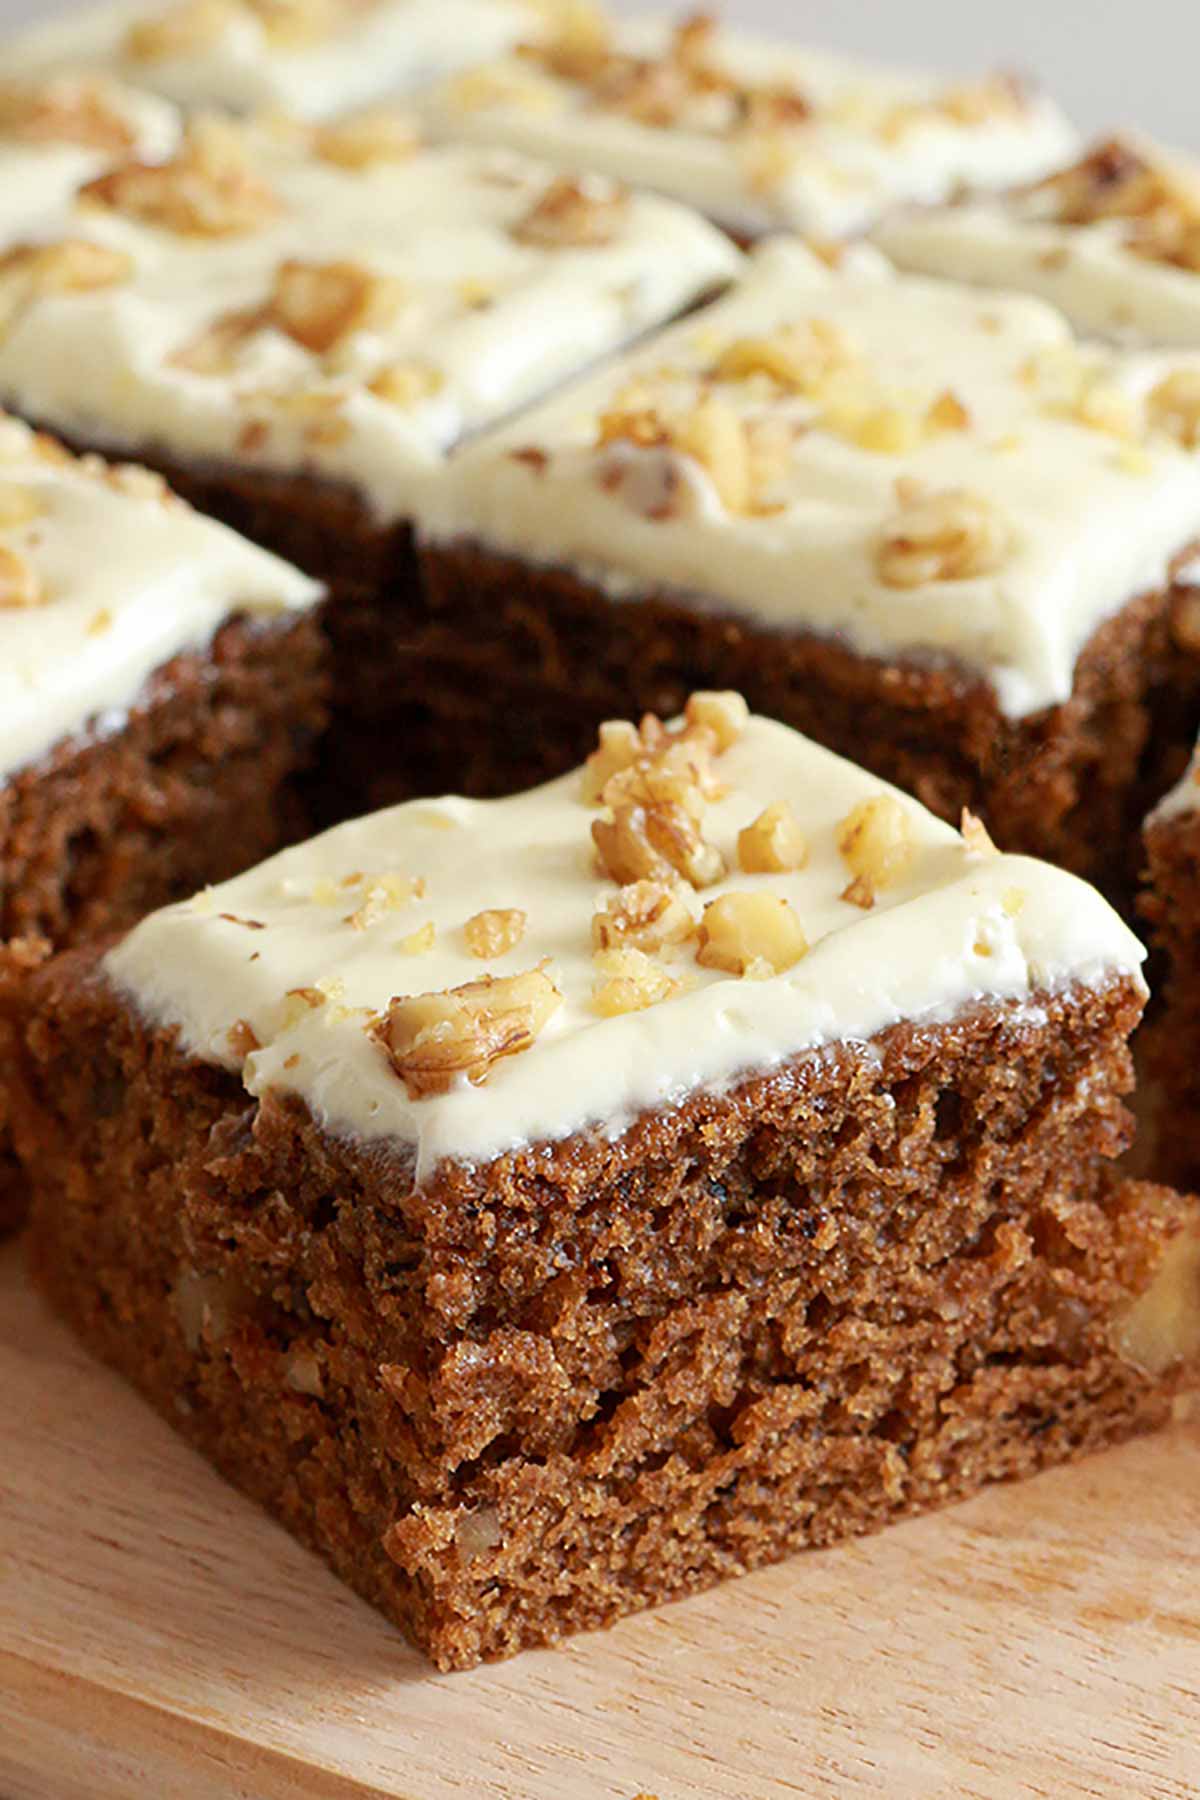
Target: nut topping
<point>773,844</point>
<point>940,535</point>
<point>433,1039</point>
<point>754,934</point>
<point>381,135</point>
<point>70,109</point>
<point>574,215</point>
<point>321,304</point>
<point>645,915</point>
<point>496,932</point>
<point>877,843</point>
<point>631,981</point>
<point>1159,205</point>
<point>20,586</point>
<point>31,272</point>
<point>1174,407</point>
<point>209,189</point>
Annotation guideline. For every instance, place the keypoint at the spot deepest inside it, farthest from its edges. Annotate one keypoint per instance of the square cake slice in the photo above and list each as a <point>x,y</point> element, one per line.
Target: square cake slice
<point>923,524</point>
<point>1114,240</point>
<point>297,325</point>
<point>161,682</point>
<point>550,1206</point>
<point>759,134</point>
<point>316,58</point>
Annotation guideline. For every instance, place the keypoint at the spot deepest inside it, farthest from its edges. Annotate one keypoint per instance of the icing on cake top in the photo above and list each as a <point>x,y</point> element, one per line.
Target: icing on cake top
<point>1114,240</point>
<point>336,300</point>
<point>312,57</point>
<point>911,466</point>
<point>702,902</point>
<point>104,577</point>
<point>757,133</point>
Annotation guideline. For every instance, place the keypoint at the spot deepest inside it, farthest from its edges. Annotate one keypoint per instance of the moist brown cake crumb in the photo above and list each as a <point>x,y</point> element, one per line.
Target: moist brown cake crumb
<point>520,1399</point>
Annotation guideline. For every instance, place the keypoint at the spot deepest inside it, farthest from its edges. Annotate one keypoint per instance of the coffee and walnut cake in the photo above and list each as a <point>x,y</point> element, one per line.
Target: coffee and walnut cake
<point>552,1205</point>
<point>160,684</point>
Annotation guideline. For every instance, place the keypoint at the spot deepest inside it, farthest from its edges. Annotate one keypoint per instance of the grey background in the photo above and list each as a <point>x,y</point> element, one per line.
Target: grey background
<point>1110,62</point>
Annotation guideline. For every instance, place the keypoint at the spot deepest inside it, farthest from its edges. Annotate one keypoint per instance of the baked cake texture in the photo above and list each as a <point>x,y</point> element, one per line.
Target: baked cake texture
<point>728,1178</point>
<point>924,525</point>
<point>161,682</point>
<point>759,134</point>
<point>316,58</point>
<point>1113,240</point>
<point>62,130</point>
<point>297,325</point>
<point>1171,1042</point>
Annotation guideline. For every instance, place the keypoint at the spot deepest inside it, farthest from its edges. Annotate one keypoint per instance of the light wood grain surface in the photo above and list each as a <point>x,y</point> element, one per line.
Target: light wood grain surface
<point>160,1639</point>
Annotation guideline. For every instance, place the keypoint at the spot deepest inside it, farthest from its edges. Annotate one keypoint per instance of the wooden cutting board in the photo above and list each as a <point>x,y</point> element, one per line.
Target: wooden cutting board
<point>159,1638</point>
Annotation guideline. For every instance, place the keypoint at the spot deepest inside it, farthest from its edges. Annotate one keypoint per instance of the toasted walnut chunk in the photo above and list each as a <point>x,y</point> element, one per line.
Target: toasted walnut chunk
<point>574,215</point>
<point>432,1040</point>
<point>619,747</point>
<point>655,832</point>
<point>319,304</point>
<point>715,436</point>
<point>181,30</point>
<point>877,842</point>
<point>1162,1327</point>
<point>946,534</point>
<point>1174,407</point>
<point>383,895</point>
<point>755,934</point>
<point>645,915</point>
<point>495,932</point>
<point>68,109</point>
<point>798,359</point>
<point>20,585</point>
<point>630,981</point>
<point>381,135</point>
<point>209,189</point>
<point>725,714</point>
<point>773,843</point>
<point>406,384</point>
<point>32,272</point>
<point>976,836</point>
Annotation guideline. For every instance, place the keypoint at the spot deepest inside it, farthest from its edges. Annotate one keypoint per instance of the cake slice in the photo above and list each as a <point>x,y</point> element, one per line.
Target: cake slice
<point>1171,1042</point>
<point>549,1206</point>
<point>923,524</point>
<point>317,58</point>
<point>161,683</point>
<point>759,134</point>
<point>1114,240</point>
<point>59,131</point>
<point>298,325</point>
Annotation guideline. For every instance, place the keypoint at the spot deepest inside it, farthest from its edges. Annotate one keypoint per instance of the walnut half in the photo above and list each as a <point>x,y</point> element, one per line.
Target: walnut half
<point>945,534</point>
<point>432,1039</point>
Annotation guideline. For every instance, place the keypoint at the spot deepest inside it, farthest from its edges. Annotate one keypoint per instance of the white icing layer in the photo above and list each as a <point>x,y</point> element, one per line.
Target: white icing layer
<point>388,47</point>
<point>124,578</point>
<point>44,155</point>
<point>872,137</point>
<point>1084,520</point>
<point>485,318</point>
<point>960,927</point>
<point>1105,287</point>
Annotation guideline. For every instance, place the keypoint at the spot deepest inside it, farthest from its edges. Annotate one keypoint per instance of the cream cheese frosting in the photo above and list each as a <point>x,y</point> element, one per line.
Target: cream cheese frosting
<point>315,58</point>
<point>280,973</point>
<point>60,131</point>
<point>757,133</point>
<point>1114,242</point>
<point>104,577</point>
<point>353,306</point>
<point>907,465</point>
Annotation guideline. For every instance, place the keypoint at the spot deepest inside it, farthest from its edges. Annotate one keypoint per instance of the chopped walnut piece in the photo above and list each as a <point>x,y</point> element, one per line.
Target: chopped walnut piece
<point>18,504</point>
<point>976,836</point>
<point>384,894</point>
<point>495,932</point>
<point>1162,1327</point>
<point>645,915</point>
<point>20,586</point>
<point>419,942</point>
<point>574,214</point>
<point>381,135</point>
<point>631,981</point>
<point>209,189</point>
<point>798,358</point>
<point>407,383</point>
<point>432,1039</point>
<point>70,109</point>
<point>619,747</point>
<point>182,30</point>
<point>947,413</point>
<point>725,714</point>
<point>320,304</point>
<point>751,934</point>
<point>242,1038</point>
<point>1174,407</point>
<point>1159,204</point>
<point>656,828</point>
<point>715,436</point>
<point>31,272</point>
<point>943,534</point>
<point>877,842</point>
<point>773,844</point>
<point>298,24</point>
